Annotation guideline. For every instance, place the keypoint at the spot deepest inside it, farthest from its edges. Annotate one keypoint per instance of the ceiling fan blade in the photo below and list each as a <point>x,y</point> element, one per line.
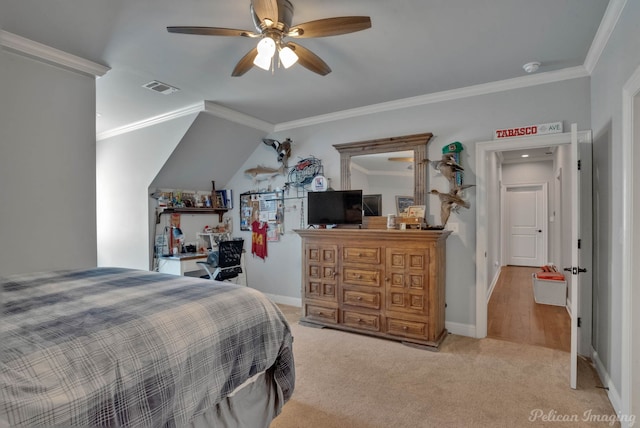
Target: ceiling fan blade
<point>212,31</point>
<point>245,63</point>
<point>331,26</point>
<point>309,60</point>
<point>266,9</point>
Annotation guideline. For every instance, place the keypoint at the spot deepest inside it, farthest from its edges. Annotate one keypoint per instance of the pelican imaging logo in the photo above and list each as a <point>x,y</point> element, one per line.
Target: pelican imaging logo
<point>587,416</point>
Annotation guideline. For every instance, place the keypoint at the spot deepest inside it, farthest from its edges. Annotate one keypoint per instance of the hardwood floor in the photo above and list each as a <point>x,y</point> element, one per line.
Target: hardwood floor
<point>515,316</point>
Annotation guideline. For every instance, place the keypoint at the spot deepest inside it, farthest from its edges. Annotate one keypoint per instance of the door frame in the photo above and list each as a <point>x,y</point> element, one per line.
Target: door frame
<point>505,232</point>
<point>483,149</point>
<point>630,348</point>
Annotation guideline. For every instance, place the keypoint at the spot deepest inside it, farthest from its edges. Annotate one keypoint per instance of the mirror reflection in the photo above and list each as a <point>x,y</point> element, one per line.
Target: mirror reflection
<point>383,177</point>
<point>398,154</point>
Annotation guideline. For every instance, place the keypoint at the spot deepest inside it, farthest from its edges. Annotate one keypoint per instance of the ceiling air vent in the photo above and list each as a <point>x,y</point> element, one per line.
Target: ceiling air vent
<point>163,88</point>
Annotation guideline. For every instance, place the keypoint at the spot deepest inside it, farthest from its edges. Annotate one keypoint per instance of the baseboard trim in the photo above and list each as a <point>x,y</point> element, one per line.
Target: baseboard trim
<point>285,300</point>
<point>493,284</point>
<point>460,329</point>
<point>612,392</point>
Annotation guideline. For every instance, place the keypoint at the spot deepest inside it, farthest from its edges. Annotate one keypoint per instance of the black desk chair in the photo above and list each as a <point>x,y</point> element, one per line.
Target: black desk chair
<point>228,265</point>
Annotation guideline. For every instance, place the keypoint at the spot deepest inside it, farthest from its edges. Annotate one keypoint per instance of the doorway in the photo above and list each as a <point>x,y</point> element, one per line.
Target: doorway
<point>488,224</point>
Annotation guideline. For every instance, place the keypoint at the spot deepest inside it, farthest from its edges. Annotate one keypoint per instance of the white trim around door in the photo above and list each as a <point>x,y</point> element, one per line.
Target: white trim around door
<point>483,150</point>
<point>630,394</point>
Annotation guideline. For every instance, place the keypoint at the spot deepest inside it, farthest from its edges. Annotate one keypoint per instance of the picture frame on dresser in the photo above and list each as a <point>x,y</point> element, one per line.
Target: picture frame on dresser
<point>403,203</point>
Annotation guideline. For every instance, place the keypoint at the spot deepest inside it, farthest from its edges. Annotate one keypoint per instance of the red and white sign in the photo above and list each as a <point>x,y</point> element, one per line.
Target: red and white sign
<point>543,128</point>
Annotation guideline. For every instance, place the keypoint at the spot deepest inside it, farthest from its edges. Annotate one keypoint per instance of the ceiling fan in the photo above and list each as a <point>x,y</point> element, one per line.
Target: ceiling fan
<point>272,20</point>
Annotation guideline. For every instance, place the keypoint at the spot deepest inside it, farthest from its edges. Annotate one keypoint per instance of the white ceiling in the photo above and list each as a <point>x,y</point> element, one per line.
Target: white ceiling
<point>414,48</point>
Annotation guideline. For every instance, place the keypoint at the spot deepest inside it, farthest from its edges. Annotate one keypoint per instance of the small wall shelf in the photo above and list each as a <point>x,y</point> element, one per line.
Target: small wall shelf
<point>193,210</point>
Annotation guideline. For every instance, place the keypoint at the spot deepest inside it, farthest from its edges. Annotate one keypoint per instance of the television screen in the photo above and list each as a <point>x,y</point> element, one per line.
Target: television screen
<point>334,207</point>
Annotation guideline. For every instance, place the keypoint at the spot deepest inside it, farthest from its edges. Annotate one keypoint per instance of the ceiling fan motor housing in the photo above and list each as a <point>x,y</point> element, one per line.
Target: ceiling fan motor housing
<point>285,17</point>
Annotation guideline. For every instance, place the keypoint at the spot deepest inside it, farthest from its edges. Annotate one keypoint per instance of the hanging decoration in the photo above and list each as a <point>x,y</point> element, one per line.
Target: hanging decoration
<point>449,166</point>
<point>304,171</point>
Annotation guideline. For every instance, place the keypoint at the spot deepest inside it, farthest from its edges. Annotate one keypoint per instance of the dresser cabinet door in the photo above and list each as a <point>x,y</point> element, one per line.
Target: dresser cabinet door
<point>322,271</point>
<point>407,279</point>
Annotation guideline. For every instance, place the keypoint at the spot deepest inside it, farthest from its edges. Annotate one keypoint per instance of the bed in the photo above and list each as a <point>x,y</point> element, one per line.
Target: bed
<point>119,347</point>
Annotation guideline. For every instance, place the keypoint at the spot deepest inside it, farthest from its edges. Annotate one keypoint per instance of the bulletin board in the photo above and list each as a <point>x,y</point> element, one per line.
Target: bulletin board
<point>267,207</point>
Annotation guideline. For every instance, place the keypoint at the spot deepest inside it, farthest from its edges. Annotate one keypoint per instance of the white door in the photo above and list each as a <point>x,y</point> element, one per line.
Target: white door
<point>574,271</point>
<point>525,215</point>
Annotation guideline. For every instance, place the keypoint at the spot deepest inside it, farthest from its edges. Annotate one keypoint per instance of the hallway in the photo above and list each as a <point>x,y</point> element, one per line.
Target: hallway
<point>513,314</point>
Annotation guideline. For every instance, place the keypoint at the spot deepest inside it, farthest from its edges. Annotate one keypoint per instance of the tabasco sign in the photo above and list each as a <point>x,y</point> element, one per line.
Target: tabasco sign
<point>543,128</point>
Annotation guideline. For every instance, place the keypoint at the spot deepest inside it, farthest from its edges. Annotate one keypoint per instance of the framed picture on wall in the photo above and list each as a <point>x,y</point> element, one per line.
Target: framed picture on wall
<point>402,205</point>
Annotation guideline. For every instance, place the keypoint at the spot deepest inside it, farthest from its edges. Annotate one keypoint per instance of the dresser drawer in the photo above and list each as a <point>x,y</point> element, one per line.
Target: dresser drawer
<point>361,298</point>
<point>369,255</point>
<point>405,328</point>
<point>321,313</point>
<point>357,276</point>
<point>361,321</point>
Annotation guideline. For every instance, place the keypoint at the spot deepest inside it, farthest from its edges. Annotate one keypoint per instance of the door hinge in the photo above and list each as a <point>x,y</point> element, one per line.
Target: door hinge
<point>579,322</point>
<point>579,165</point>
<point>579,243</point>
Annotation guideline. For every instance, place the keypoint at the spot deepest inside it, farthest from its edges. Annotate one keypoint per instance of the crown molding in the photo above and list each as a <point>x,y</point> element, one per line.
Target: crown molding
<point>237,117</point>
<point>607,25</point>
<point>49,55</point>
<point>155,120</point>
<point>454,94</point>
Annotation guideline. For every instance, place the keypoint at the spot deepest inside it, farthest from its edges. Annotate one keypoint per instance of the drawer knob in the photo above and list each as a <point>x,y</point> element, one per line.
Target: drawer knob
<point>359,298</point>
<point>405,328</point>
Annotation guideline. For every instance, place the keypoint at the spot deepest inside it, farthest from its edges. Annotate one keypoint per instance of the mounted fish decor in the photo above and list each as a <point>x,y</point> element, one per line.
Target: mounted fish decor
<point>262,173</point>
<point>283,149</point>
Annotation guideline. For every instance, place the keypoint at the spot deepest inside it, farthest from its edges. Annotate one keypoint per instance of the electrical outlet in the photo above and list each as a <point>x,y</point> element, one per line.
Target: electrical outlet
<point>453,227</point>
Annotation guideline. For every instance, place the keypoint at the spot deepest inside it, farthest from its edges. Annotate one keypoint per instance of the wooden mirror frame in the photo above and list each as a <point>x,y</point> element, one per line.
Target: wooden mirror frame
<point>416,142</point>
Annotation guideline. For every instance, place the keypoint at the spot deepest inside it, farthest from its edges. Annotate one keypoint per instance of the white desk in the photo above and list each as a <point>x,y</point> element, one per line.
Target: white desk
<point>186,263</point>
<point>180,264</point>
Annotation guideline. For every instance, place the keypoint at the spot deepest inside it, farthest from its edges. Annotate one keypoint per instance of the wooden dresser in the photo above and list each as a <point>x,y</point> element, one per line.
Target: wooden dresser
<point>386,283</point>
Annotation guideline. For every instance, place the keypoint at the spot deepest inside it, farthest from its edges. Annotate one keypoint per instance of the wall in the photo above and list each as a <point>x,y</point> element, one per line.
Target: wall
<point>126,166</point>
<point>48,212</point>
<point>187,152</point>
<point>618,61</point>
<point>466,120</point>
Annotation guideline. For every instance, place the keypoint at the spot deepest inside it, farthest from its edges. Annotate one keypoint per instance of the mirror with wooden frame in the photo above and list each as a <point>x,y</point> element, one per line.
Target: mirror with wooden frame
<point>409,149</point>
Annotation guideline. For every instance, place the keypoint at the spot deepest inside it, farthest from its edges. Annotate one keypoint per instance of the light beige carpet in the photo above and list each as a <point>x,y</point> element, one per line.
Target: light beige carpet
<point>351,380</point>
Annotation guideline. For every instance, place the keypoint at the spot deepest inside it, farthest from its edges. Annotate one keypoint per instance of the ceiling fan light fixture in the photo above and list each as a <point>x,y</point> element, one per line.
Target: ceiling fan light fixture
<point>262,61</point>
<point>287,56</point>
<point>266,49</point>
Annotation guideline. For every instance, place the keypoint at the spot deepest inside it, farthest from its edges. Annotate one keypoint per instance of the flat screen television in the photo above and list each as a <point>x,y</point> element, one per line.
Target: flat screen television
<point>334,207</point>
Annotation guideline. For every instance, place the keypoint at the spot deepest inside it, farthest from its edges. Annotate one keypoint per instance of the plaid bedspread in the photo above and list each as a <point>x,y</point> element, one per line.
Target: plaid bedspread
<point>121,347</point>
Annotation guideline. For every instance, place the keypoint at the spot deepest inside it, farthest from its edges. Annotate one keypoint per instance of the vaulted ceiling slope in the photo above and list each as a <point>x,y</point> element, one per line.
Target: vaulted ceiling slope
<point>414,48</point>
